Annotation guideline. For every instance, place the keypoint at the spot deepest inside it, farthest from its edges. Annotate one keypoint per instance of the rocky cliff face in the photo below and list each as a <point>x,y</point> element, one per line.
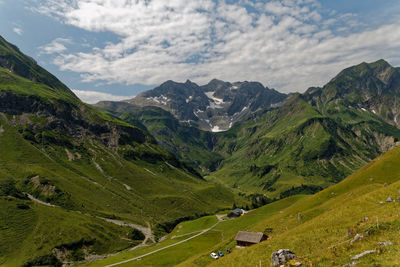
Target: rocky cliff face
<point>73,120</point>
<point>215,107</point>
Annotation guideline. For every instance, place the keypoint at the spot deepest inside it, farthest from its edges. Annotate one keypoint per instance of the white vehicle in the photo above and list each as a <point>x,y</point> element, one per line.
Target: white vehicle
<point>213,255</point>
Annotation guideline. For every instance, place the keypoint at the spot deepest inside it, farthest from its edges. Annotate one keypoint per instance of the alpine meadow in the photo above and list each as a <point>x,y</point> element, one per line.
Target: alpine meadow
<point>199,133</point>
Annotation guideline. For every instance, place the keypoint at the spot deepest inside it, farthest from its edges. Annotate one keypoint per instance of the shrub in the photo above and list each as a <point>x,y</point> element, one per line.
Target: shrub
<point>136,235</point>
<point>45,260</point>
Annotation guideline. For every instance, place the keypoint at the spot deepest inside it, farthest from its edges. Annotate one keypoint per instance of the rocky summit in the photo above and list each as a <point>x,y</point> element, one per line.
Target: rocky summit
<point>216,106</point>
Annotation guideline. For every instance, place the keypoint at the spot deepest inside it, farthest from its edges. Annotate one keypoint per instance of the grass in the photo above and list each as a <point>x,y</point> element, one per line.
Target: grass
<point>84,161</point>
<point>191,145</point>
<point>327,215</point>
<point>299,145</point>
<point>26,232</point>
<point>17,84</point>
<point>219,238</point>
<point>314,139</point>
<point>26,67</point>
<point>194,226</point>
<point>99,182</point>
<point>321,234</point>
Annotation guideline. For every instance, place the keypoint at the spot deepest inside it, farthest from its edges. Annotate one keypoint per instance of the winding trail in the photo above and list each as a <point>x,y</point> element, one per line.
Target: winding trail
<point>146,231</point>
<point>172,245</point>
<point>40,202</point>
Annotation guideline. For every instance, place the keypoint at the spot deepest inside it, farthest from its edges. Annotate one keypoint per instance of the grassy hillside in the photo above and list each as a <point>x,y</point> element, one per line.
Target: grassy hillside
<point>197,250</point>
<point>90,166</point>
<point>298,149</point>
<point>191,145</point>
<point>355,205</point>
<point>314,140</point>
<point>329,221</point>
<point>16,62</point>
<point>31,231</point>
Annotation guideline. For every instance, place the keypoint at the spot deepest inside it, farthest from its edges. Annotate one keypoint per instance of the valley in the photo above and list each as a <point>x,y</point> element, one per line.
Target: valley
<point>149,181</point>
<point>329,222</point>
<point>307,142</point>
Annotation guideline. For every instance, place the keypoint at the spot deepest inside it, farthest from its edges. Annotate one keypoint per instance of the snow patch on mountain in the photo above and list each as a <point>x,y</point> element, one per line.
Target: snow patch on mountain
<point>189,99</point>
<point>216,129</point>
<point>216,100</point>
<point>162,99</point>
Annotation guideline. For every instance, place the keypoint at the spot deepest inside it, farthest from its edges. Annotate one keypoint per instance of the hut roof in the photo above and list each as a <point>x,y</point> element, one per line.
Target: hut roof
<point>250,237</point>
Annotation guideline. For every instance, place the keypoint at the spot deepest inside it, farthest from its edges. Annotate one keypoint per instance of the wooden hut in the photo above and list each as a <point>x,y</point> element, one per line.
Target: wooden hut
<point>245,239</point>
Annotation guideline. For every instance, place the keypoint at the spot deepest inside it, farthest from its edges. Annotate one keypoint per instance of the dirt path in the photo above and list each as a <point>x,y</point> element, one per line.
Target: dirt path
<point>160,249</point>
<point>145,230</point>
<point>40,202</point>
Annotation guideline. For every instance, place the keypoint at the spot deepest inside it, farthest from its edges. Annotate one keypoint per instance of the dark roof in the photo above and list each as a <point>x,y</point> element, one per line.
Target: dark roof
<point>250,237</point>
<point>238,211</point>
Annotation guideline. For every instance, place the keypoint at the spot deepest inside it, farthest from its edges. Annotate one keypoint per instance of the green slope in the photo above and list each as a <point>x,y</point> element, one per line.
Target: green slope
<point>352,205</point>
<point>314,140</point>
<point>197,250</point>
<point>13,60</point>
<point>30,231</point>
<point>189,144</point>
<point>89,165</point>
<point>320,237</point>
<point>297,149</point>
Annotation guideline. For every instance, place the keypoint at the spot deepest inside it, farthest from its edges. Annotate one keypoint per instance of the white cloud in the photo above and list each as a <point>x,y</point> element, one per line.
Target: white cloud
<point>17,30</point>
<point>56,46</point>
<point>92,97</point>
<point>286,44</point>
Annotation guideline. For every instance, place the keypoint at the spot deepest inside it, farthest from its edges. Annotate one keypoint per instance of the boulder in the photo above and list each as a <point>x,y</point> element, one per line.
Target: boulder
<point>356,238</point>
<point>385,244</point>
<point>356,257</point>
<point>389,199</point>
<point>281,257</point>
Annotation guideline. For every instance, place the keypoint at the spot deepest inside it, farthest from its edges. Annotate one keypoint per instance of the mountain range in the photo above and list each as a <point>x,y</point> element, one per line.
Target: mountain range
<point>75,178</point>
<point>84,166</point>
<point>280,144</point>
<point>216,106</point>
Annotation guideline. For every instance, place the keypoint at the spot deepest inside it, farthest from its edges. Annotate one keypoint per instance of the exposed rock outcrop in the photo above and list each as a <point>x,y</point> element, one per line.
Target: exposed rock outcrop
<point>281,257</point>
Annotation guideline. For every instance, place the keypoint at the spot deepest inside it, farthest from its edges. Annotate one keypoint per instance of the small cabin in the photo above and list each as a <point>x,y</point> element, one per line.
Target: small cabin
<point>236,213</point>
<point>245,239</point>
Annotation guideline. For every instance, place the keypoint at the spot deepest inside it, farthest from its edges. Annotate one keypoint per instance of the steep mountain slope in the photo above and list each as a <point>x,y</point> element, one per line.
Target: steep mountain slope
<point>315,139</point>
<point>296,149</point>
<point>317,228</point>
<point>216,106</point>
<point>89,165</point>
<point>330,219</point>
<point>312,141</point>
<point>13,60</point>
<point>190,144</point>
<point>373,87</point>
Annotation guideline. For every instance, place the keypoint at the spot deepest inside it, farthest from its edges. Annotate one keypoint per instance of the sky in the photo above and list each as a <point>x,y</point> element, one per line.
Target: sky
<point>115,49</point>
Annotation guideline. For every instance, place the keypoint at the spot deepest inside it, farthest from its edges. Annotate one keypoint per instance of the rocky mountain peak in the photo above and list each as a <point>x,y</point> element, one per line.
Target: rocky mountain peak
<point>370,87</point>
<point>215,106</point>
